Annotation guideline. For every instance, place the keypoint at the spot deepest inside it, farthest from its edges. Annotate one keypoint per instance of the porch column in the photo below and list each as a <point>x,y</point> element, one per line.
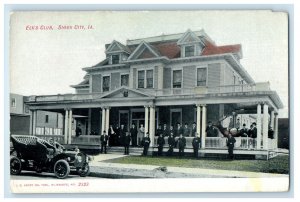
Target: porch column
<point>258,127</point>
<point>70,126</point>
<point>198,119</point>
<point>146,119</point>
<point>203,135</point>
<point>30,120</point>
<point>265,126</point>
<point>89,121</point>
<point>272,119</point>
<point>276,130</point>
<point>152,124</point>
<point>34,122</point>
<point>66,128</point>
<point>102,121</point>
<point>107,120</point>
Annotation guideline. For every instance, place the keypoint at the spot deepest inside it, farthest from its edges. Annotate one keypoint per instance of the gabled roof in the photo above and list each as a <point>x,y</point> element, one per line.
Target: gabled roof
<point>119,92</point>
<point>116,46</point>
<point>141,48</point>
<point>189,37</point>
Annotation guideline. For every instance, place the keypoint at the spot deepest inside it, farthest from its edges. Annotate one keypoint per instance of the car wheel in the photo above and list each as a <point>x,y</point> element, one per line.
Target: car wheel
<point>15,166</point>
<point>61,169</point>
<point>84,171</point>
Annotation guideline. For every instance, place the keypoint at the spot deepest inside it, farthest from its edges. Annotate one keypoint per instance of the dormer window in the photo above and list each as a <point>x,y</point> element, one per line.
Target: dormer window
<point>189,51</point>
<point>115,59</point>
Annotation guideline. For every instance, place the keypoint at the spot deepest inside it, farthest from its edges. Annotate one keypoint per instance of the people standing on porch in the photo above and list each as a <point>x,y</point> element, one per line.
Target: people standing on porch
<point>194,130</point>
<point>146,142</point>
<point>160,143</point>
<point>158,130</point>
<point>238,124</point>
<point>211,131</point>
<point>122,133</point>
<point>126,143</point>
<point>186,130</point>
<point>103,139</point>
<point>133,133</point>
<point>141,133</point>
<point>243,132</point>
<point>178,130</point>
<point>171,130</point>
<point>111,136</point>
<point>181,144</point>
<point>231,124</point>
<point>196,143</point>
<point>230,142</point>
<point>165,131</point>
<point>171,143</point>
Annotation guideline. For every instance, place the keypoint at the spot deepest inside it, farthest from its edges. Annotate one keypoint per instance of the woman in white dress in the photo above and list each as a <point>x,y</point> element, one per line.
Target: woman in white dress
<point>141,133</point>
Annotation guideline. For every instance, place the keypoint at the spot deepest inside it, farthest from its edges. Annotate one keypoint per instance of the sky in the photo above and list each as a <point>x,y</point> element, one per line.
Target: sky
<point>45,62</point>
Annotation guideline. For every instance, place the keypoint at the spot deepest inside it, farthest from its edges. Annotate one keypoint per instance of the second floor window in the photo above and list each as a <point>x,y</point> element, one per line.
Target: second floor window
<point>149,78</point>
<point>189,51</point>
<point>124,80</point>
<point>106,83</point>
<point>141,79</point>
<point>115,59</point>
<point>13,102</point>
<point>201,76</point>
<point>177,78</point>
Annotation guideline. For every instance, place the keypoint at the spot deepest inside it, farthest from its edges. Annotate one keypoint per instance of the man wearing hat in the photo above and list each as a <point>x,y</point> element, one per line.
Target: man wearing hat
<point>211,131</point>
<point>230,142</point>
<point>196,144</point>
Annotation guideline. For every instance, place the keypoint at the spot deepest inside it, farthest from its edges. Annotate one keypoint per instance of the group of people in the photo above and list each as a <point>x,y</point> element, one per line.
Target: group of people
<point>186,130</point>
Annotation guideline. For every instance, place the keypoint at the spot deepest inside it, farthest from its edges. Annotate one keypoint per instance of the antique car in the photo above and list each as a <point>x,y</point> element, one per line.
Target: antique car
<point>35,154</point>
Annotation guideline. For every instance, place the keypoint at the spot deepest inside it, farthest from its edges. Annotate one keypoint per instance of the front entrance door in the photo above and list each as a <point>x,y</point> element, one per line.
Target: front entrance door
<point>176,116</point>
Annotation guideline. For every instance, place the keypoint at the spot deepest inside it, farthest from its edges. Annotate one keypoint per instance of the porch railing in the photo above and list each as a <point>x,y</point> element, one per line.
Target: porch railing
<point>57,138</point>
<point>86,140</point>
<point>48,131</point>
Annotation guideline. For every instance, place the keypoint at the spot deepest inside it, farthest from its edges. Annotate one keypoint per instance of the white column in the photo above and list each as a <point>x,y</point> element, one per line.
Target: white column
<point>198,118</point>
<point>272,119</point>
<point>66,127</point>
<point>276,130</point>
<point>107,120</point>
<point>265,126</point>
<point>152,124</point>
<point>258,127</point>
<point>103,121</point>
<point>89,121</point>
<point>70,126</point>
<point>146,119</point>
<point>34,122</point>
<point>31,122</point>
<point>203,135</point>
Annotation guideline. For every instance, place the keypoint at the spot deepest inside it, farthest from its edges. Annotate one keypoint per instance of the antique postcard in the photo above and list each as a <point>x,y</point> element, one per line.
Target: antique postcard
<point>149,101</point>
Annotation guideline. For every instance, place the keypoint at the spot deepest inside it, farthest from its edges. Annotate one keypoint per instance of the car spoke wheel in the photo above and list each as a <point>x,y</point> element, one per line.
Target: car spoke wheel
<point>84,171</point>
<point>15,165</point>
<point>61,169</point>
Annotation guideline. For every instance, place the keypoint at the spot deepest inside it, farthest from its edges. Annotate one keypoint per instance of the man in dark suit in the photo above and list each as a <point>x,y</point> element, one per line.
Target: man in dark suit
<point>254,130</point>
<point>122,134</point>
<point>133,132</point>
<point>186,131</point>
<point>126,143</point>
<point>160,143</point>
<point>171,143</point>
<point>194,130</point>
<point>196,144</point>
<point>103,139</point>
<point>230,142</point>
<point>158,130</point>
<point>243,132</point>
<point>111,136</point>
<point>181,144</point>
<point>211,131</point>
<point>178,130</point>
<point>165,131</point>
<point>171,130</point>
<point>146,142</point>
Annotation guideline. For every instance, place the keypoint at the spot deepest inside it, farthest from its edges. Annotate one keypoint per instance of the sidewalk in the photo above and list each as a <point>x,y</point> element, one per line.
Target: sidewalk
<point>117,170</point>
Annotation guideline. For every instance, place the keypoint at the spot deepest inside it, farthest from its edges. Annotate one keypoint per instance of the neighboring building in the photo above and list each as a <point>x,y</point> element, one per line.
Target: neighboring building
<point>177,78</point>
<point>283,133</point>
<point>47,122</point>
<point>19,115</point>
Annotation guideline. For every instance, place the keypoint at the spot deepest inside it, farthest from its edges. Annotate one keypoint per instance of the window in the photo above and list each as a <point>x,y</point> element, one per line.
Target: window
<point>124,79</point>
<point>189,51</point>
<point>177,78</point>
<point>106,83</point>
<point>115,59</point>
<point>13,102</point>
<point>47,119</point>
<point>149,78</point>
<point>141,79</point>
<point>201,76</point>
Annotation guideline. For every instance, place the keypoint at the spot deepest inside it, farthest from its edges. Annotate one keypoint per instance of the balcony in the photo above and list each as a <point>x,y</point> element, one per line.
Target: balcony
<point>155,92</point>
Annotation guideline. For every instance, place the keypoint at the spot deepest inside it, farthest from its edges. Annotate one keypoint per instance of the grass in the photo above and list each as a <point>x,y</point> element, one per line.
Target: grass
<point>279,164</point>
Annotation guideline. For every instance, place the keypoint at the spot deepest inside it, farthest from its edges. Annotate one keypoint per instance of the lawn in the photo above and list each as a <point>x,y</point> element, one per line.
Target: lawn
<point>279,164</point>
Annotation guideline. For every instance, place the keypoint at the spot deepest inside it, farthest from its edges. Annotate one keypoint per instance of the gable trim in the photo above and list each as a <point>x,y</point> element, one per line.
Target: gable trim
<point>188,33</point>
<point>120,89</point>
<point>135,54</point>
